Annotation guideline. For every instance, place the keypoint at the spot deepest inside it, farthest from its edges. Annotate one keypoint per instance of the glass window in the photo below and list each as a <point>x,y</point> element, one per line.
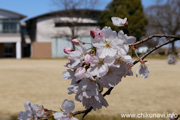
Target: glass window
<point>10,27</point>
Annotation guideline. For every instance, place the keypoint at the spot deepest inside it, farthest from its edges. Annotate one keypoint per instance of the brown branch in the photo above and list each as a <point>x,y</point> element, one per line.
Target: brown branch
<point>155,35</point>
<point>108,92</point>
<point>158,46</point>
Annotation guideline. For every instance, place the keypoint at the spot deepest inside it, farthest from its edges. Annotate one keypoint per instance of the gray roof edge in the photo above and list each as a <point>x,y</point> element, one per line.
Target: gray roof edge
<point>15,13</point>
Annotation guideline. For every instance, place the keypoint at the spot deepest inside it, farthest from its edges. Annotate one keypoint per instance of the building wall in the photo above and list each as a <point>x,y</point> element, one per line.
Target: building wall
<point>46,29</point>
<point>10,38</point>
<point>41,50</point>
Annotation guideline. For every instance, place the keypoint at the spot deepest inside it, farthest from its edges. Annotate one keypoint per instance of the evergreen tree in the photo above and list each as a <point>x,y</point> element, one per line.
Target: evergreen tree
<point>132,9</point>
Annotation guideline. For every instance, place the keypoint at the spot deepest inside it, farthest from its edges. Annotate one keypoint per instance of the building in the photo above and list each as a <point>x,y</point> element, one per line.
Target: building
<point>50,33</point>
<point>10,34</point>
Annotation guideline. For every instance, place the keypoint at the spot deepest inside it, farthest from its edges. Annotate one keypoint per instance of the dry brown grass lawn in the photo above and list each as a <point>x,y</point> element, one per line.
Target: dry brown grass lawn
<point>41,82</point>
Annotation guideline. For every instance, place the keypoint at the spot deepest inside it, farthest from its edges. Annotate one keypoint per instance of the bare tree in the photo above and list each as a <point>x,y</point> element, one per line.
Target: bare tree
<point>165,19</point>
<point>75,11</point>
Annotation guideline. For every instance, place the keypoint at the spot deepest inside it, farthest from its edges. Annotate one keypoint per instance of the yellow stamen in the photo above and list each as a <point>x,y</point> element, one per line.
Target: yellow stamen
<point>100,62</point>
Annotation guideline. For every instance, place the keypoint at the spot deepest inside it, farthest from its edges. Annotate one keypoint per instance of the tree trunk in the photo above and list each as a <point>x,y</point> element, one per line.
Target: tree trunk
<point>173,49</point>
<point>73,36</point>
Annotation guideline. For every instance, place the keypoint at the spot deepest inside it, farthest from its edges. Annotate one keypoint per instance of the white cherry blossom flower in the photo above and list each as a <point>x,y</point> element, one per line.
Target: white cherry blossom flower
<point>86,87</point>
<point>112,78</point>
<point>76,57</point>
<point>69,74</point>
<point>143,70</point>
<point>87,58</point>
<point>173,116</point>
<point>87,92</point>
<point>98,36</point>
<point>126,39</point>
<point>62,116</point>
<point>109,44</point>
<point>99,67</point>
<point>123,50</point>
<point>118,21</point>
<point>38,110</point>
<point>119,59</point>
<point>79,73</point>
<point>32,112</point>
<point>96,102</point>
<point>68,106</point>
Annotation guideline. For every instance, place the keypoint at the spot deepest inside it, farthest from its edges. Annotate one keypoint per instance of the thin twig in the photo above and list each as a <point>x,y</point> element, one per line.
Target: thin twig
<point>156,35</point>
<point>158,46</point>
<point>79,112</point>
<point>108,92</point>
<point>87,111</point>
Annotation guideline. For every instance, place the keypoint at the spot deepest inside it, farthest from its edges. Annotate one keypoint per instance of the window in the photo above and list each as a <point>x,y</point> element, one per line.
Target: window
<point>9,26</point>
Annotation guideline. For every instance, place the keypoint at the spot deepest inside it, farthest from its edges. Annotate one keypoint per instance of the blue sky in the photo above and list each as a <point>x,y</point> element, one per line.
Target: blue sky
<point>32,8</point>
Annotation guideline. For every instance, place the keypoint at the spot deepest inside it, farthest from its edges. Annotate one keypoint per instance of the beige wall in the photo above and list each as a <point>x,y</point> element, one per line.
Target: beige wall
<point>46,29</point>
<point>41,50</point>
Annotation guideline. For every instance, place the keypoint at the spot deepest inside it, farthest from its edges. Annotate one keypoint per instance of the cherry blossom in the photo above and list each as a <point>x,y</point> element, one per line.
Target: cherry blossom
<point>79,73</point>
<point>67,107</point>
<point>143,70</point>
<point>68,50</point>
<point>32,112</point>
<point>62,116</point>
<point>109,44</point>
<point>87,92</point>
<point>69,74</point>
<point>87,59</point>
<point>75,41</point>
<point>173,116</point>
<point>123,50</point>
<point>76,57</point>
<point>118,21</point>
<point>92,33</point>
<point>99,67</point>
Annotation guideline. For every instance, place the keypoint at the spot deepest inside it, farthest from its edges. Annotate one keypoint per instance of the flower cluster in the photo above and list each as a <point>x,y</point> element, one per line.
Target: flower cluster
<point>36,112</point>
<point>102,66</point>
<point>91,70</point>
<point>32,112</point>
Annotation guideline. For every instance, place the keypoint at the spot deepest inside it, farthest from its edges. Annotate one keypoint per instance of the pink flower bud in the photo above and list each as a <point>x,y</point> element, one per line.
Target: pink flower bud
<point>87,58</point>
<point>67,50</point>
<point>75,41</point>
<point>92,33</point>
<point>79,73</point>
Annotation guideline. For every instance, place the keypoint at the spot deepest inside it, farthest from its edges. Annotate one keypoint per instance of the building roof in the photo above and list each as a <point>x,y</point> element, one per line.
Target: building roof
<point>77,12</point>
<point>14,13</point>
